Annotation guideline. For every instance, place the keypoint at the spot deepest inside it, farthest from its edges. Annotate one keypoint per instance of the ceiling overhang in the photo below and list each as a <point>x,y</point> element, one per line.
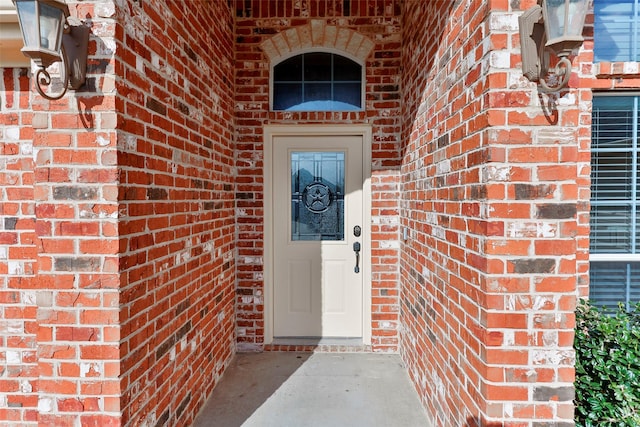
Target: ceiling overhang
<point>10,37</point>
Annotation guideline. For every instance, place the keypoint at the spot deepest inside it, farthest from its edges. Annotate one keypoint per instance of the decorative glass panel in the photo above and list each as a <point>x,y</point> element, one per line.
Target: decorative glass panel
<point>317,195</point>
<point>317,81</point>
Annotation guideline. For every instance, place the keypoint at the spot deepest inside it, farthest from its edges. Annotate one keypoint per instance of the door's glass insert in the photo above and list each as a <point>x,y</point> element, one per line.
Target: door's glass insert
<point>317,195</point>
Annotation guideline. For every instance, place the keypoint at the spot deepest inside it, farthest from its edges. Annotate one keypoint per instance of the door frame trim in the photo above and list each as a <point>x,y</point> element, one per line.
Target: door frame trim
<point>273,131</point>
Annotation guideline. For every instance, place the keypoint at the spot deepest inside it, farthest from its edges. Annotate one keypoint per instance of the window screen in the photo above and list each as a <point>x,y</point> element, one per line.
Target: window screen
<point>317,81</point>
<point>616,30</point>
<point>615,238</point>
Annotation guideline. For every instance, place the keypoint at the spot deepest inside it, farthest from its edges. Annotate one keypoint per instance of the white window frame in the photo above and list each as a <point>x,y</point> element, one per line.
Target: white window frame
<point>625,257</point>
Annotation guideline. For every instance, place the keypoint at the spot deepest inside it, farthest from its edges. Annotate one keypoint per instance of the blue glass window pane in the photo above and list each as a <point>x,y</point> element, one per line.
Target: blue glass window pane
<point>317,67</point>
<point>615,188</point>
<point>290,70</point>
<point>349,93</point>
<point>345,69</point>
<point>616,30</point>
<point>286,95</point>
<point>614,282</point>
<point>610,229</point>
<point>611,175</point>
<point>612,122</point>
<point>317,92</point>
<point>317,81</point>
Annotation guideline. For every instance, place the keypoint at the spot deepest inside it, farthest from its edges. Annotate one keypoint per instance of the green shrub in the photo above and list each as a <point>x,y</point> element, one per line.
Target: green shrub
<point>607,366</point>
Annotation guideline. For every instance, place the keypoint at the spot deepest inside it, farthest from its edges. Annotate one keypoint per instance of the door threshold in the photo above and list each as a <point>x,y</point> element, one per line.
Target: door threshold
<point>316,341</point>
<point>318,345</point>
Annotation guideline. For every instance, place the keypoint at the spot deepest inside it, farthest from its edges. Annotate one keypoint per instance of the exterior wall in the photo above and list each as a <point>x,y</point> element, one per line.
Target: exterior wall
<point>493,197</point>
<point>18,253</point>
<point>117,233</point>
<point>257,24</point>
<point>176,205</point>
<point>59,271</point>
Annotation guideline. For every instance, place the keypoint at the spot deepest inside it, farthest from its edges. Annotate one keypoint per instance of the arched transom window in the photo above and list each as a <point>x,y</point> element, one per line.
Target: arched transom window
<point>317,81</point>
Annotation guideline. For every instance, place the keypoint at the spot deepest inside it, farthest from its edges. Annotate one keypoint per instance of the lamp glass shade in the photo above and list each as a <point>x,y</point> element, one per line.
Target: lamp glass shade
<point>42,24</point>
<point>28,22</point>
<point>564,19</point>
<point>51,26</point>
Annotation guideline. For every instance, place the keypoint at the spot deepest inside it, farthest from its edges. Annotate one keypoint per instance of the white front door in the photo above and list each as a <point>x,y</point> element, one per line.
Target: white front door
<point>317,220</point>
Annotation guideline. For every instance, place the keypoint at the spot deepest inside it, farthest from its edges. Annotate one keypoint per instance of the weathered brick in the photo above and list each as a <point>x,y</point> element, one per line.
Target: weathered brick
<point>157,106</point>
<point>10,223</point>
<point>163,419</point>
<point>77,264</point>
<point>157,194</point>
<point>533,266</point>
<point>180,409</point>
<point>533,191</point>
<point>557,211</point>
<point>75,193</point>
<point>545,394</point>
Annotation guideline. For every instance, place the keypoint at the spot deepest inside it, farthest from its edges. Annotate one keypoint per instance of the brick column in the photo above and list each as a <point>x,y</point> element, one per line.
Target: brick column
<point>491,183</point>
<point>77,296</point>
<point>76,209</point>
<point>533,180</point>
<point>18,268</point>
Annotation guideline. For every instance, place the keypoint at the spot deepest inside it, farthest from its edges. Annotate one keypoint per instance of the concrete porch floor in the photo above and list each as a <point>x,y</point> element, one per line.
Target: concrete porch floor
<point>283,389</point>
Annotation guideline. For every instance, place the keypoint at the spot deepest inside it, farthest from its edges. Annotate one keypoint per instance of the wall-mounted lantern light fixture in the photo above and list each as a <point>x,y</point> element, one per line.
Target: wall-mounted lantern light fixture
<point>50,36</point>
<point>554,25</point>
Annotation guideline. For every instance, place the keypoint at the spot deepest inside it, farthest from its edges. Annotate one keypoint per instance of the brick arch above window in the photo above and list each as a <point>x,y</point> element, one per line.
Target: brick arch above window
<point>317,34</point>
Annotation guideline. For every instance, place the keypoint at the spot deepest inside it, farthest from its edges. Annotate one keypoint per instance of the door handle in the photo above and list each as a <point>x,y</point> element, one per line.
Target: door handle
<point>356,249</point>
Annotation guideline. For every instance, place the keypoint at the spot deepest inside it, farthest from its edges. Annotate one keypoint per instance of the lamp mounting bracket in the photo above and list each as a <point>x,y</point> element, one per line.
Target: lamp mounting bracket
<point>76,43</point>
<point>532,42</point>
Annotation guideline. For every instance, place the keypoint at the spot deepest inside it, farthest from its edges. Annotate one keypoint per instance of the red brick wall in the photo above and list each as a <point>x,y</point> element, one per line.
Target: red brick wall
<point>62,272</point>
<point>256,23</point>
<point>18,252</point>
<point>490,200</point>
<point>117,234</point>
<point>176,205</point>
